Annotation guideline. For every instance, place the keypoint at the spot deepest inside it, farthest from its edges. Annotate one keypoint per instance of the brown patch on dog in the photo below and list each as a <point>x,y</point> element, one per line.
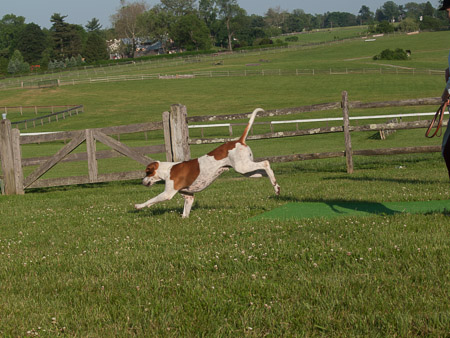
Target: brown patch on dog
<point>151,169</point>
<point>184,174</point>
<point>221,152</point>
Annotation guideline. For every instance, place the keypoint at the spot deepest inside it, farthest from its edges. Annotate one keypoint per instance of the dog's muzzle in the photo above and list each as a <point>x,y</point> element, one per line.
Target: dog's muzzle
<point>148,181</point>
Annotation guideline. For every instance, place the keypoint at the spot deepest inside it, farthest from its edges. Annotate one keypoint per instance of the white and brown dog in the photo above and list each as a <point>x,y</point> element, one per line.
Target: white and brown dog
<point>192,176</point>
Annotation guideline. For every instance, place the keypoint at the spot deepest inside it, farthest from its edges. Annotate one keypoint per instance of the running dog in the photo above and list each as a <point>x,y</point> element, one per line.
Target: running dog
<point>193,176</point>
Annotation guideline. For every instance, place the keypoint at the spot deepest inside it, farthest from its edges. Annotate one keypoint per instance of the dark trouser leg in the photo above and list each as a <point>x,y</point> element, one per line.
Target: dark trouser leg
<point>446,154</point>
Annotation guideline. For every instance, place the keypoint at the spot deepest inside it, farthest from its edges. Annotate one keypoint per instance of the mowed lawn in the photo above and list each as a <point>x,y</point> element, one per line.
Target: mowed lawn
<point>80,261</point>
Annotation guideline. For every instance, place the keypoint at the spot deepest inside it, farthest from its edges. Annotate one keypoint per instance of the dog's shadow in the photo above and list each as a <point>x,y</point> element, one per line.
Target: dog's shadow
<point>161,210</point>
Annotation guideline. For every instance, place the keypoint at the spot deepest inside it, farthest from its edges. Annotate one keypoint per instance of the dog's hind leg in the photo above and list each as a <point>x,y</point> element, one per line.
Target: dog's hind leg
<point>250,167</point>
<point>188,201</point>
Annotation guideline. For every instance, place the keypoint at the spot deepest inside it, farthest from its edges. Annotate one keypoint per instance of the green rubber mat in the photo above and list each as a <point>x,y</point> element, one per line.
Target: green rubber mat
<point>331,209</point>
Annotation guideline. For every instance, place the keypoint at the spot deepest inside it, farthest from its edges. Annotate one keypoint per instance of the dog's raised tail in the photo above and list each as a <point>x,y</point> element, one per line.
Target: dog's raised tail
<point>249,125</point>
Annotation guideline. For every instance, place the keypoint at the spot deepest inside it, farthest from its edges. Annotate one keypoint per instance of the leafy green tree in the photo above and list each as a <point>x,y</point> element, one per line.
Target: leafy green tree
<point>414,10</point>
<point>257,28</point>
<point>95,48</point>
<point>80,60</point>
<point>408,25</point>
<point>229,10</point>
<point>298,21</point>
<point>17,65</point>
<point>46,57</point>
<point>32,42</point>
<point>10,28</point>
<point>155,23</point>
<point>384,27</point>
<point>3,65</point>
<point>380,16</point>
<point>191,32</point>
<point>365,15</point>
<point>428,9</point>
<point>244,31</point>
<point>430,23</point>
<point>339,19</point>
<point>390,10</point>
<point>178,7</point>
<point>208,12</point>
<point>388,54</point>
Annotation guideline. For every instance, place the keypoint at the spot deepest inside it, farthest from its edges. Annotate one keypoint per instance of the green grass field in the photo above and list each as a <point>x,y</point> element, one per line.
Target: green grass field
<point>80,261</point>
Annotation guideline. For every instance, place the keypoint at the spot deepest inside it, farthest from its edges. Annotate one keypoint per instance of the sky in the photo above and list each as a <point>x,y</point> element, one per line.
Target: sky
<point>82,11</point>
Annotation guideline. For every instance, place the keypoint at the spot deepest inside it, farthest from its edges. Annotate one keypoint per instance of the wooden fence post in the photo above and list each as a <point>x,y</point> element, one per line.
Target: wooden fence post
<point>167,138</point>
<point>348,140</point>
<point>179,133</point>
<point>7,158</point>
<point>91,151</point>
<point>17,158</point>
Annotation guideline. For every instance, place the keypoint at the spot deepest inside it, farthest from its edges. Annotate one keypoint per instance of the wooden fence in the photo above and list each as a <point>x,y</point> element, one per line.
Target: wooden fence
<point>177,143</point>
<point>47,118</point>
<point>11,141</point>
<point>346,128</point>
<point>249,72</point>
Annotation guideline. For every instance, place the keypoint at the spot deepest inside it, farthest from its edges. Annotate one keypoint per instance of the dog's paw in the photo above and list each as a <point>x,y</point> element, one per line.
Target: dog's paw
<point>277,189</point>
<point>138,206</point>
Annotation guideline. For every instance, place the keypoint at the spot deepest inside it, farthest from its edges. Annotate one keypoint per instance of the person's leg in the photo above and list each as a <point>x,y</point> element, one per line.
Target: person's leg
<point>446,154</point>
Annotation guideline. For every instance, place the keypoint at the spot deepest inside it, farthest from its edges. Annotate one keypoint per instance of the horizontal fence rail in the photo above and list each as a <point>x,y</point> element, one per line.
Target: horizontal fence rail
<point>328,119</point>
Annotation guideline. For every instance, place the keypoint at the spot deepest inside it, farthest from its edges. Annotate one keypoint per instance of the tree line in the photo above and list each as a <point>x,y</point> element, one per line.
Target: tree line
<point>179,25</point>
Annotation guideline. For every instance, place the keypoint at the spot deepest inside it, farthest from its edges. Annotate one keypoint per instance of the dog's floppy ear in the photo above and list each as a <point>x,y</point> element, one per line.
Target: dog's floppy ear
<point>151,168</point>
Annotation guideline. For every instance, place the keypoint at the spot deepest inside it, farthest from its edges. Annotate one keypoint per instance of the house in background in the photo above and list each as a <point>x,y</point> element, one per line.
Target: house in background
<point>120,48</point>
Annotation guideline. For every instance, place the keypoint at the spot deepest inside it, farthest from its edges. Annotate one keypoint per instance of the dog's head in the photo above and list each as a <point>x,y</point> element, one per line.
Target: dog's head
<point>151,174</point>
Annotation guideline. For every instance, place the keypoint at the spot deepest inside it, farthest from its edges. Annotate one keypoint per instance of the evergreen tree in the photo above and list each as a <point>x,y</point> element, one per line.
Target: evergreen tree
<point>95,48</point>
<point>79,60</point>
<point>16,64</point>
<point>67,38</point>
<point>93,25</point>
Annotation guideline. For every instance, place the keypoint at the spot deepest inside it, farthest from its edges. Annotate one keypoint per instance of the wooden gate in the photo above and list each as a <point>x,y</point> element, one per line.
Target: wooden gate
<point>175,145</point>
<point>90,136</point>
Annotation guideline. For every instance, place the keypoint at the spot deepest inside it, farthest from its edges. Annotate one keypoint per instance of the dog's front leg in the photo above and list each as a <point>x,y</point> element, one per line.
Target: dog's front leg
<point>188,201</point>
<point>164,196</point>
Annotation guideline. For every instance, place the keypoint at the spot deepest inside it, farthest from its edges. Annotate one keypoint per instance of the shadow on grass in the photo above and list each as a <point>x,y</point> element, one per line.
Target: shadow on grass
<point>155,211</point>
<point>358,206</point>
<point>383,179</point>
<point>369,207</point>
<point>82,186</point>
<point>445,213</point>
<point>158,210</point>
